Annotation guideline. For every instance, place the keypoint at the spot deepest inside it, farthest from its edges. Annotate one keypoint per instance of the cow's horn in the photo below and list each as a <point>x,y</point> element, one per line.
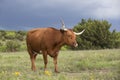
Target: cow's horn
<point>63,25</point>
<point>79,32</point>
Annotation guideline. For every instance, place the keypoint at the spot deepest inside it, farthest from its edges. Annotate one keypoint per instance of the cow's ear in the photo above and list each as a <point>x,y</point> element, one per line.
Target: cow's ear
<point>62,30</point>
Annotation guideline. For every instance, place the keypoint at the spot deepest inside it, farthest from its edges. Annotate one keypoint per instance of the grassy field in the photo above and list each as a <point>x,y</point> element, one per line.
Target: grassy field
<point>73,65</point>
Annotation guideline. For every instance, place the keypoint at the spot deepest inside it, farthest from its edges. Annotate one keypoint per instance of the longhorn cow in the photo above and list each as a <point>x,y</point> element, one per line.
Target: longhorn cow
<point>48,41</point>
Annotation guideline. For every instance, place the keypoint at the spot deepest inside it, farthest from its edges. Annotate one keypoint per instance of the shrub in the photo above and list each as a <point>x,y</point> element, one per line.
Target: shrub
<point>3,48</point>
<point>12,46</point>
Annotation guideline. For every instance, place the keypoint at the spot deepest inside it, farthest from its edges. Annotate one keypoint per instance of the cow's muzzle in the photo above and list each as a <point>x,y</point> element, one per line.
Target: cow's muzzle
<point>75,44</point>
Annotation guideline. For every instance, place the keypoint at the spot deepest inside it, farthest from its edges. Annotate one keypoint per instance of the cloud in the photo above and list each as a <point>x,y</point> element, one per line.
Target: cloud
<point>48,12</point>
<point>107,9</point>
<point>96,8</point>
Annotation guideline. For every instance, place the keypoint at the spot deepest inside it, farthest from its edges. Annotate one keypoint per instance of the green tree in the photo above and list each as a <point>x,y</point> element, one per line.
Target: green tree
<point>97,34</point>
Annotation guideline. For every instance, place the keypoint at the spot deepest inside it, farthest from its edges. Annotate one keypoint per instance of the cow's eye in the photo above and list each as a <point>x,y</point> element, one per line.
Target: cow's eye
<point>69,36</point>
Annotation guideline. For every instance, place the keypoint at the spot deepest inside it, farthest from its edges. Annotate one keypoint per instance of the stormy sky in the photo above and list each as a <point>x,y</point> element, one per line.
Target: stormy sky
<point>28,14</point>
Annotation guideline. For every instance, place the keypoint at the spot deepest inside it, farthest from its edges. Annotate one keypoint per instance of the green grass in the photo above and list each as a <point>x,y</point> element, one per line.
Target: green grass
<point>73,65</point>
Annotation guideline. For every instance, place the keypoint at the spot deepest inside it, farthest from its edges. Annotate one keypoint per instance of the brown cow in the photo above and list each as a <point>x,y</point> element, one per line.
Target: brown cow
<point>48,41</point>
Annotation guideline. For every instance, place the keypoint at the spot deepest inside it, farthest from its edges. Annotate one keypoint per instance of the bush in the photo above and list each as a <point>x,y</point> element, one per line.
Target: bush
<point>12,46</point>
<point>23,47</point>
<point>3,48</point>
<point>64,48</point>
<point>10,35</point>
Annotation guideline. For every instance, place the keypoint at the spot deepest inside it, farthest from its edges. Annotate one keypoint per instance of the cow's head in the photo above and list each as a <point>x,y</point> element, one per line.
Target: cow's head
<point>69,35</point>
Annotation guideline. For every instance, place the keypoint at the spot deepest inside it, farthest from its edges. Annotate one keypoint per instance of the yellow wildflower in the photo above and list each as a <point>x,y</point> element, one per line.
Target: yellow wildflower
<point>17,73</point>
<point>48,73</point>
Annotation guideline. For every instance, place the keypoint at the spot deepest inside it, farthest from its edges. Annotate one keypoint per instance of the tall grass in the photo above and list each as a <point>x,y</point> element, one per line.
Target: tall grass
<point>73,65</point>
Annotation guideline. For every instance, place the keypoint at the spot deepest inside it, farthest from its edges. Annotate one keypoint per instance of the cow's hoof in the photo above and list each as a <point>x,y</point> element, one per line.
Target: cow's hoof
<point>34,70</point>
<point>57,72</point>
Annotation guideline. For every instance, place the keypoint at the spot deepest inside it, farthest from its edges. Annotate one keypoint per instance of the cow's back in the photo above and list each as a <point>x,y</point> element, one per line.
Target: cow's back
<point>41,38</point>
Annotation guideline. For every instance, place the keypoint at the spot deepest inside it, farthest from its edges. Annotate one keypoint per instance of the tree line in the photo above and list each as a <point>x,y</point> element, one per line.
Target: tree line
<point>11,41</point>
<point>97,35</point>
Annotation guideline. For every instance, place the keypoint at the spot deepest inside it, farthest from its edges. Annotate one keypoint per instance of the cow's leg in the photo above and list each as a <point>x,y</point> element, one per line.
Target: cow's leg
<point>55,63</point>
<point>45,59</point>
<point>35,56</point>
<point>32,57</point>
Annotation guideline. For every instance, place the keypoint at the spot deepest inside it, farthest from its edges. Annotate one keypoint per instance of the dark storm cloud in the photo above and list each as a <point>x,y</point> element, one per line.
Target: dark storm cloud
<point>26,14</point>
